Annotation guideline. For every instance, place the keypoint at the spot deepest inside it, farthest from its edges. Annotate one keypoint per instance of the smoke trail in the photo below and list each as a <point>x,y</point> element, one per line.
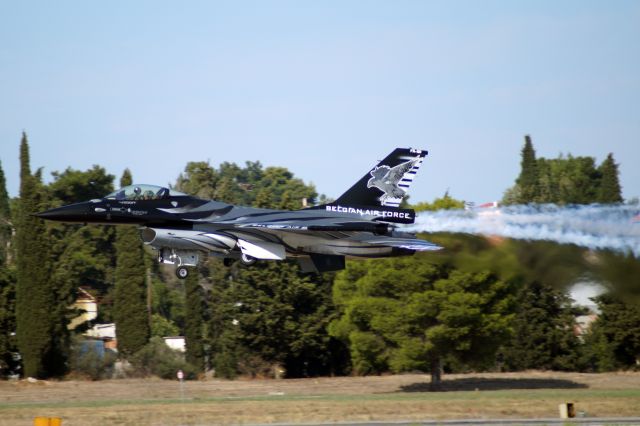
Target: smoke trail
<point>614,227</point>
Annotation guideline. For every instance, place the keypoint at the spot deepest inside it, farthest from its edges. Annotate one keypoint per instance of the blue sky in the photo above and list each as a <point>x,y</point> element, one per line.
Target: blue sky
<point>324,88</point>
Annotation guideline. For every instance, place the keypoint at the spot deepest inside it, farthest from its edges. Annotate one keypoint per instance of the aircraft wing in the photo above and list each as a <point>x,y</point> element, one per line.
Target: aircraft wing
<point>361,231</point>
<point>318,226</point>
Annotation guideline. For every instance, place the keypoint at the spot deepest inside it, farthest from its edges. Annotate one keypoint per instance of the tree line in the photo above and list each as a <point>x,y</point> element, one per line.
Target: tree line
<point>479,305</point>
<point>564,180</point>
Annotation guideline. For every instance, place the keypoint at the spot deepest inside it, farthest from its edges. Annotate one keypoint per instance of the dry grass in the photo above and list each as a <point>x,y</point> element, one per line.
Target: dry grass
<point>403,397</point>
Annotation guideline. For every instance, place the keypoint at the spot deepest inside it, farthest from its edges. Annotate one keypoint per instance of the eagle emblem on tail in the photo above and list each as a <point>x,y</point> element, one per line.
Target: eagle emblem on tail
<point>387,179</point>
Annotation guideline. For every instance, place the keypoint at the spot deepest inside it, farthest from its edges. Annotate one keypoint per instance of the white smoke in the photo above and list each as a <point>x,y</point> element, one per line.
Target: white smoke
<point>593,226</point>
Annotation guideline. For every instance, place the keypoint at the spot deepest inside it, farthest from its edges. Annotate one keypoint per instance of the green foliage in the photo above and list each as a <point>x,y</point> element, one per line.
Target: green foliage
<point>543,331</point>
<point>53,261</point>
<point>157,359</point>
<point>225,363</point>
<point>407,314</point>
<point>598,352</point>
<point>7,320</point>
<point>445,203</point>
<point>570,180</point>
<point>273,187</point>
<point>278,189</point>
<point>194,321</point>
<point>81,256</point>
<point>4,196</point>
<point>198,179</point>
<point>6,226</point>
<point>528,181</point>
<point>162,327</point>
<point>610,190</point>
<point>88,362</point>
<point>130,295</point>
<point>272,314</point>
<point>616,334</point>
<point>72,186</point>
<point>168,300</point>
<point>126,179</point>
<point>40,330</point>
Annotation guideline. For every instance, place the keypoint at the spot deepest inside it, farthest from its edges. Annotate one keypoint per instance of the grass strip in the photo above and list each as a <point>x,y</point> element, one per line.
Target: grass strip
<point>538,394</point>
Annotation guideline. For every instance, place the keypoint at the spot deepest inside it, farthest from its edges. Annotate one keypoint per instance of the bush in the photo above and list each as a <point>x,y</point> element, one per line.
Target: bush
<point>158,359</point>
<point>255,367</point>
<point>89,359</point>
<point>225,365</point>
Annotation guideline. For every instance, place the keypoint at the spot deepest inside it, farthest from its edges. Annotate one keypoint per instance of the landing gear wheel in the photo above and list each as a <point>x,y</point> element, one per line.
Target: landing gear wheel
<point>227,261</point>
<point>248,260</point>
<point>182,272</point>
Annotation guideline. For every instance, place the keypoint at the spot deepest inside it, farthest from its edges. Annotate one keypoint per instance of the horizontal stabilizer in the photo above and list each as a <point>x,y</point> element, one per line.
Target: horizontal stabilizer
<point>403,240</point>
<point>407,243</point>
<point>262,249</point>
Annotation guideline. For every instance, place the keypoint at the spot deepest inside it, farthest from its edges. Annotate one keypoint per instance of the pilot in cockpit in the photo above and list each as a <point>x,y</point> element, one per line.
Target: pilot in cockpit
<point>162,193</point>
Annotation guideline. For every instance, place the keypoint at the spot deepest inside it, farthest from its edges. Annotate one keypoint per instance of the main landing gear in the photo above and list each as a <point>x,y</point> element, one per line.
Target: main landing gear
<point>184,258</point>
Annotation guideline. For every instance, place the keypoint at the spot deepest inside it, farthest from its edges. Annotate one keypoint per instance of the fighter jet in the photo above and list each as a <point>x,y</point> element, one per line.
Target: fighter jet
<point>361,223</point>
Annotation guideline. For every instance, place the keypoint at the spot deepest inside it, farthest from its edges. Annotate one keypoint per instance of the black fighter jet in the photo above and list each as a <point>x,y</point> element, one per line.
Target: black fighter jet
<point>181,228</point>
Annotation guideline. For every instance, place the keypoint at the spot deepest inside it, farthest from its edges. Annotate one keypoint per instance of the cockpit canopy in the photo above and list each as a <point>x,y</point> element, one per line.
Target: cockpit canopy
<point>143,192</point>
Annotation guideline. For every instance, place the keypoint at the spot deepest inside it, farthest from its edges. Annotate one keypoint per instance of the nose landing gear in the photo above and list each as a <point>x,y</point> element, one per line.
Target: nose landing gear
<point>182,272</point>
<point>180,258</point>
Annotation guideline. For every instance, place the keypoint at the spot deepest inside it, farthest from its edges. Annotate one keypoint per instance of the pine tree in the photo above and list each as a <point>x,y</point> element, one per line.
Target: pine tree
<point>5,221</point>
<point>619,326</point>
<point>130,296</point>
<point>193,321</point>
<point>406,314</point>
<point>35,297</point>
<point>543,331</point>
<point>528,179</point>
<point>609,191</point>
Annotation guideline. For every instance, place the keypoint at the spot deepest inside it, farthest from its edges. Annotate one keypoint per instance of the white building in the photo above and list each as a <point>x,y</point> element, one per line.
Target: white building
<point>175,343</point>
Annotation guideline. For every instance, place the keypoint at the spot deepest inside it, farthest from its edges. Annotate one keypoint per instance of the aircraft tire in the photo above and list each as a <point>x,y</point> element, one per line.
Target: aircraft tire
<point>182,272</point>
<point>227,261</point>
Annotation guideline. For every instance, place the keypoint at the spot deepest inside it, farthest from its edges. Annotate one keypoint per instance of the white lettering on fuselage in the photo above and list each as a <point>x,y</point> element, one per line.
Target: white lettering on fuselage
<point>368,212</point>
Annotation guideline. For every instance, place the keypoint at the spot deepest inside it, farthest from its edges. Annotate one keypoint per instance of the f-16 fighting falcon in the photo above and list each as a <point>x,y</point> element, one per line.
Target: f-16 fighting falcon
<point>181,228</point>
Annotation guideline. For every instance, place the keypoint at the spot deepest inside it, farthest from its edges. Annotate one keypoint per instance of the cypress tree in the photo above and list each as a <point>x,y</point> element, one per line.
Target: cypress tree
<point>193,321</point>
<point>7,320</point>
<point>528,181</point>
<point>5,221</point>
<point>7,283</point>
<point>609,191</point>
<point>543,331</point>
<point>130,300</point>
<point>35,295</point>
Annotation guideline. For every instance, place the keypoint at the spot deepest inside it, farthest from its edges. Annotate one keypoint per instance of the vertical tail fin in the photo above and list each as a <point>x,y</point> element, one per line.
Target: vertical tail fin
<point>388,182</point>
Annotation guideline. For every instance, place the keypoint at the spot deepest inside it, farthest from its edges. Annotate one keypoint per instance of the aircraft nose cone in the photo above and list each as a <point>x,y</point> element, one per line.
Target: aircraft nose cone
<point>71,213</point>
<point>48,214</point>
